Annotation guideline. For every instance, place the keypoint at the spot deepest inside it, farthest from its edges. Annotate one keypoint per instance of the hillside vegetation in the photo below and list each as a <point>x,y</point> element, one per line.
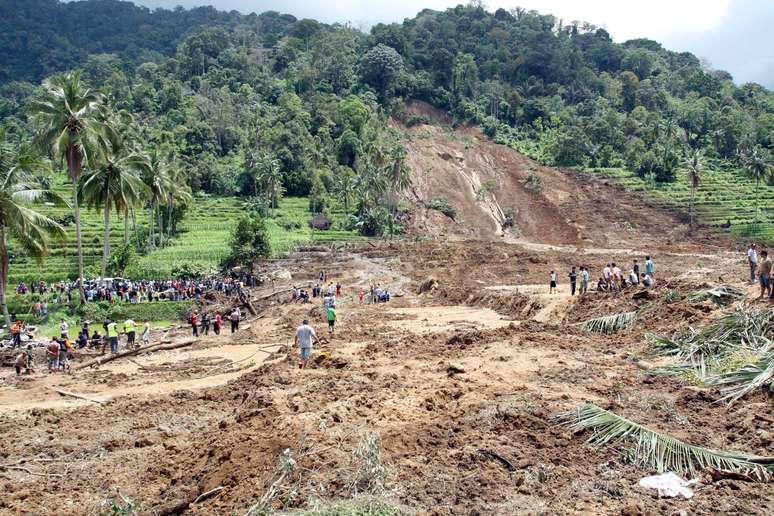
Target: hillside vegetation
<point>260,106</point>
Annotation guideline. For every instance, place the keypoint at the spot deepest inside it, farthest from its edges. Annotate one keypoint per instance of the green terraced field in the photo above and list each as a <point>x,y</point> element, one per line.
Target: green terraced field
<point>724,199</point>
<point>202,240</point>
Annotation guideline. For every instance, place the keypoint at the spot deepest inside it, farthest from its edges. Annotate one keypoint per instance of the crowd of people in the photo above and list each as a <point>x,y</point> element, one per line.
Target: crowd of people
<point>133,291</point>
<point>612,279</point>
<point>201,323</point>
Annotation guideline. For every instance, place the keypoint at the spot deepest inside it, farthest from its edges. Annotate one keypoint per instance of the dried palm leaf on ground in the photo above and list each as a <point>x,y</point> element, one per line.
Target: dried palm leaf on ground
<point>722,295</point>
<point>610,323</point>
<point>743,329</point>
<point>660,451</point>
<point>746,379</point>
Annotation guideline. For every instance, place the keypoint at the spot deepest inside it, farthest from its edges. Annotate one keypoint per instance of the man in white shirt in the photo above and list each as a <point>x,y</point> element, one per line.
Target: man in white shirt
<point>304,336</point>
<point>606,273</point>
<point>64,329</point>
<point>752,261</point>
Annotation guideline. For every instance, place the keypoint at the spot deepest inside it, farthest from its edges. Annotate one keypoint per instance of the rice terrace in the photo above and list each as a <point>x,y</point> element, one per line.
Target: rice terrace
<point>382,259</point>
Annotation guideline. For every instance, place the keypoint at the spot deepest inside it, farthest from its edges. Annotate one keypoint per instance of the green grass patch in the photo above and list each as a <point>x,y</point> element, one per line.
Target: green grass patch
<point>201,243</point>
<point>725,199</point>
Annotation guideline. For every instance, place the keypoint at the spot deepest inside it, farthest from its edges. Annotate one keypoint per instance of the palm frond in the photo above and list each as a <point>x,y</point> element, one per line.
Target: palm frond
<point>721,295</point>
<point>610,323</point>
<point>657,450</point>
<point>748,378</point>
<point>744,328</point>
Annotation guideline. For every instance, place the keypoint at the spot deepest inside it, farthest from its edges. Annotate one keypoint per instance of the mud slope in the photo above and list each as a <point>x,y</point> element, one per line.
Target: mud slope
<point>483,180</point>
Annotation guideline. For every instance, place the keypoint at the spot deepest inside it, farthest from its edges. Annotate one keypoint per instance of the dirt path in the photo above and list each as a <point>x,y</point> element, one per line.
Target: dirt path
<point>148,374</point>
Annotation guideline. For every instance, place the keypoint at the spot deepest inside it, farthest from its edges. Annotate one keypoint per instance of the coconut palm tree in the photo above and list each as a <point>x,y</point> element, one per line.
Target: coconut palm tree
<point>30,230</point>
<point>71,122</point>
<point>178,193</point>
<point>156,179</point>
<point>268,179</point>
<point>695,166</point>
<point>757,165</point>
<point>115,183</point>
<point>344,185</point>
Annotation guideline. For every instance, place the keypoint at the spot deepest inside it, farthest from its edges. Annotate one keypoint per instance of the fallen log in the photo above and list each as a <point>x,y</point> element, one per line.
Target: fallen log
<point>73,395</point>
<point>282,291</point>
<point>246,301</point>
<point>159,346</point>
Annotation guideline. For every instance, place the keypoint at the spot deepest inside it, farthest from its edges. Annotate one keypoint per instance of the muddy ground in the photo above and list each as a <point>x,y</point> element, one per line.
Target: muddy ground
<point>451,381</point>
<point>438,402</point>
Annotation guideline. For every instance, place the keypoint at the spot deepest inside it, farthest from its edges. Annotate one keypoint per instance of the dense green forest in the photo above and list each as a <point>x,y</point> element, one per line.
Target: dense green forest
<point>261,106</point>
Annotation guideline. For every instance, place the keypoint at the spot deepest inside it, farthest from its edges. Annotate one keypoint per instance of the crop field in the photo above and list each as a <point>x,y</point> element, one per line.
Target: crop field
<point>724,199</point>
<point>202,240</point>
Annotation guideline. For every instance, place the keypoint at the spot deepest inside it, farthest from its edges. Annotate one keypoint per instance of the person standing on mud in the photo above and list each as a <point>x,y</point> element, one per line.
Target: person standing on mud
<point>331,312</point>
<point>764,274</point>
<point>112,334</point>
<point>636,270</point>
<point>617,277</point>
<point>584,279</point>
<point>195,323</point>
<point>234,318</point>
<point>130,330</point>
<point>64,329</point>
<point>146,332</point>
<point>752,261</point>
<point>206,323</point>
<point>52,354</point>
<point>650,267</point>
<point>338,289</point>
<point>304,336</point>
<point>606,275</point>
<point>573,279</point>
<point>218,323</point>
<point>552,285</point>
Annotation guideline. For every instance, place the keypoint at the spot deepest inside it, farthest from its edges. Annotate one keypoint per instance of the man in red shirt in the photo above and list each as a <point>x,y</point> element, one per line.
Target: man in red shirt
<point>195,323</point>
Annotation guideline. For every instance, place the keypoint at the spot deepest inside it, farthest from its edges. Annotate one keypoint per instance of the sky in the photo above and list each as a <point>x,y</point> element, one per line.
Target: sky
<point>732,35</point>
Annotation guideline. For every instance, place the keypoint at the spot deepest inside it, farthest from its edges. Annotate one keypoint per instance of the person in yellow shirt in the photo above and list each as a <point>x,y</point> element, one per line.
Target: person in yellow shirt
<point>130,330</point>
<point>112,331</point>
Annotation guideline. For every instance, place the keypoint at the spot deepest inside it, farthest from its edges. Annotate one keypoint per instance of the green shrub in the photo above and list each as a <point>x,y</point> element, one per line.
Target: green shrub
<point>533,183</point>
<point>443,205</point>
<point>417,120</point>
<point>154,311</point>
<point>510,215</point>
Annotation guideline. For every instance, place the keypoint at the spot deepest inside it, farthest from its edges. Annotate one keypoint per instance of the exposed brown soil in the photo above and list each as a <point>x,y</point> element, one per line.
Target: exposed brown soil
<point>573,208</point>
<point>460,382</point>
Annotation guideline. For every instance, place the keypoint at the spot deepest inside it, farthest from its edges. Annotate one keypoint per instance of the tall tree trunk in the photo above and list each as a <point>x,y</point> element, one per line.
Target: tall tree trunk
<point>134,228</point>
<point>4,277</point>
<point>161,225</point>
<point>106,243</point>
<point>77,212</point>
<point>126,226</point>
<point>151,237</point>
<point>169,218</point>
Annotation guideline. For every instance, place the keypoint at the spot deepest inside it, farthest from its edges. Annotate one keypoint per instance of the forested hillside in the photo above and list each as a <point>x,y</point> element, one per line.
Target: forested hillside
<point>259,106</point>
<point>40,37</point>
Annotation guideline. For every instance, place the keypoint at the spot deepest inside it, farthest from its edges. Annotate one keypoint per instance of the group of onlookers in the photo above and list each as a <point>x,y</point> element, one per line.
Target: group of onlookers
<point>611,280</point>
<point>200,324</point>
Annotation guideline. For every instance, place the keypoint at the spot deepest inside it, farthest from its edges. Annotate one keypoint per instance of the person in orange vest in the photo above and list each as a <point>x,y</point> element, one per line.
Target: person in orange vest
<point>16,330</point>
